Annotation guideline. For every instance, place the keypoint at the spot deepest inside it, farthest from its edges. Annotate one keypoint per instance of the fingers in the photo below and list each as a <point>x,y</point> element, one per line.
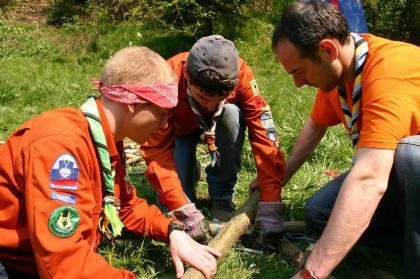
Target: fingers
<point>205,260</point>
<point>212,251</point>
<point>179,267</point>
<point>206,263</point>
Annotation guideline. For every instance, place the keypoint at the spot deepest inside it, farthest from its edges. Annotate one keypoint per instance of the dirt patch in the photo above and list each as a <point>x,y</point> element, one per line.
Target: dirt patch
<point>33,12</point>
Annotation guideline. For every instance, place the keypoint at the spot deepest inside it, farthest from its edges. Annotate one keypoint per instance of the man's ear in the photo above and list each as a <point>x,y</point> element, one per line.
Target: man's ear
<point>329,48</point>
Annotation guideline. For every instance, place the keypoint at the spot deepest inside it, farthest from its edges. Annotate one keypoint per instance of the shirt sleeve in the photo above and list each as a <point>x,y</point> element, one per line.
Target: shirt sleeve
<point>263,136</point>
<point>137,216</point>
<point>161,172</point>
<point>388,116</point>
<point>60,205</point>
<point>327,109</point>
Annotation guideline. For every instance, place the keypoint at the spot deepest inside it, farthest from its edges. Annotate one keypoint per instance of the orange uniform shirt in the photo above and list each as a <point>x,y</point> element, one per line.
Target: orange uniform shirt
<point>158,151</point>
<point>390,107</point>
<point>50,164</point>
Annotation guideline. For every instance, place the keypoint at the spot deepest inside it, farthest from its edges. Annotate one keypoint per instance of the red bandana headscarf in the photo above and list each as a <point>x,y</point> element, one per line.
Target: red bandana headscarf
<point>164,95</point>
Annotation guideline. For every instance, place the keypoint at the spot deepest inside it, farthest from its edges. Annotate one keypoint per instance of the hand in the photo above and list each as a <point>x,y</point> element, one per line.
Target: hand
<point>269,219</point>
<point>253,185</point>
<point>196,225</point>
<point>184,249</point>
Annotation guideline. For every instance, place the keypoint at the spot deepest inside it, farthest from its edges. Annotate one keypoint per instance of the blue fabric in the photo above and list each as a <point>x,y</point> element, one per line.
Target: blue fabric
<point>395,226</point>
<point>354,14</point>
<point>230,135</point>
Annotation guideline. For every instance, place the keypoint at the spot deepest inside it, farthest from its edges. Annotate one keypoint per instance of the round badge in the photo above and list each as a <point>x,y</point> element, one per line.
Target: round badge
<point>64,221</point>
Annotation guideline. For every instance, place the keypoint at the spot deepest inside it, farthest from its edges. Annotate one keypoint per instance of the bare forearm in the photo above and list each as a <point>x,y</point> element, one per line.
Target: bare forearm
<point>348,221</point>
<point>356,203</point>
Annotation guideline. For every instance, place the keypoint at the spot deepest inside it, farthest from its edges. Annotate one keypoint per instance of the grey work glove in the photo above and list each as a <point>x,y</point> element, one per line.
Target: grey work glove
<point>196,225</point>
<point>269,220</point>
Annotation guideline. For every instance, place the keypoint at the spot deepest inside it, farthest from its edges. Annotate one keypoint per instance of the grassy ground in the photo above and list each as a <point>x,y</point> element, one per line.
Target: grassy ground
<point>43,68</point>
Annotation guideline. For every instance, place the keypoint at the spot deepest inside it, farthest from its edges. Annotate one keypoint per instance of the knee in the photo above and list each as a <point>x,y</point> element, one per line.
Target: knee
<point>316,216</point>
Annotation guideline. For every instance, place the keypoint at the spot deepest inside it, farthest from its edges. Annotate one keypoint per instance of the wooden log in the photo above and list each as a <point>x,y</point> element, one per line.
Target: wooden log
<point>230,232</point>
<point>290,227</point>
<point>133,160</point>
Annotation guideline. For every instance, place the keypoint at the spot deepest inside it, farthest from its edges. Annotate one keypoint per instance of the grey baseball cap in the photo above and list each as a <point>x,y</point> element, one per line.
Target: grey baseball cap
<point>217,54</point>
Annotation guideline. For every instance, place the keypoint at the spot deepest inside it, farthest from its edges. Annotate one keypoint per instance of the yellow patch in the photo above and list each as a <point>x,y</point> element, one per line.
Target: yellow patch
<point>254,87</point>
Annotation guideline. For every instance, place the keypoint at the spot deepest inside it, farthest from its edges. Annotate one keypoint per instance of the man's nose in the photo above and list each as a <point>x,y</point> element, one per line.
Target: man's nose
<point>299,82</point>
<point>211,106</point>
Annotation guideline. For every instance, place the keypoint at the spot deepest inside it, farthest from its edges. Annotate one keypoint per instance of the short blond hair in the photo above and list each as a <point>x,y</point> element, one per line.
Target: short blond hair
<point>136,65</point>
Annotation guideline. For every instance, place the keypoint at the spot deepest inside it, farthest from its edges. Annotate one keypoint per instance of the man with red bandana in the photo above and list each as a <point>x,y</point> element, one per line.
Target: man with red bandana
<point>63,184</point>
<point>218,100</point>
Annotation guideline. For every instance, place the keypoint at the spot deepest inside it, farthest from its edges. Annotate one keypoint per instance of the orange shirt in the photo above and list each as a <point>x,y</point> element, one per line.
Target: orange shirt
<point>158,151</point>
<point>390,107</point>
<point>48,164</point>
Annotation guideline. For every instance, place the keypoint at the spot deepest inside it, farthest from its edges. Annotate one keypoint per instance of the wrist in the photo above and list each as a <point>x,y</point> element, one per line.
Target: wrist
<point>175,225</point>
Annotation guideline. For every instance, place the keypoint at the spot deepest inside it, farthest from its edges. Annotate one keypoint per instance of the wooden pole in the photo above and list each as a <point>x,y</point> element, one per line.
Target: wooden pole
<point>230,232</point>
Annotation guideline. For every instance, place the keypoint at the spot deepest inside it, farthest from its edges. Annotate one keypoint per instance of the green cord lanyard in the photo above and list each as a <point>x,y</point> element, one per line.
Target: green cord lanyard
<point>111,204</point>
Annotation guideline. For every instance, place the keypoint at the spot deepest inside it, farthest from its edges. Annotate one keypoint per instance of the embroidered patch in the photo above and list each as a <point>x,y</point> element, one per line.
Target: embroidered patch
<point>272,135</point>
<point>259,102</point>
<point>64,221</point>
<point>268,123</point>
<point>254,87</point>
<point>266,115</point>
<point>64,173</point>
<point>70,199</point>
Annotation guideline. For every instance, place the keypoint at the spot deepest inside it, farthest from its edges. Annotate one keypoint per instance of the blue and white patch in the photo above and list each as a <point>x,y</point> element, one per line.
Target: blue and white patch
<point>267,123</point>
<point>70,199</point>
<point>272,135</point>
<point>266,115</point>
<point>64,173</point>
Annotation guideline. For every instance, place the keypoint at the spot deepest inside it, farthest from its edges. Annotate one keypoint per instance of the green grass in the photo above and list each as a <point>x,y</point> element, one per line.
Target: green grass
<point>47,68</point>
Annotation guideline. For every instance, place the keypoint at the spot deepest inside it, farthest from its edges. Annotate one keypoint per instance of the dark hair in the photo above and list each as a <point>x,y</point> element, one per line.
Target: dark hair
<point>306,23</point>
<point>208,89</point>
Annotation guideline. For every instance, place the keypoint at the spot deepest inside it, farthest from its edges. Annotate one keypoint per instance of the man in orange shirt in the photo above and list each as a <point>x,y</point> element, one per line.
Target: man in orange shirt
<point>63,184</point>
<point>372,86</point>
<point>218,100</point>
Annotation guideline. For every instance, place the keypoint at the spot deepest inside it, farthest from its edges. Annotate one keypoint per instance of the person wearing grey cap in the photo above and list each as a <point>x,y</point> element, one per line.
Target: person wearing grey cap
<point>218,99</point>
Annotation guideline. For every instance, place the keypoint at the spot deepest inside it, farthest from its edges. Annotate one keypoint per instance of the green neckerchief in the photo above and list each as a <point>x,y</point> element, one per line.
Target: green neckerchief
<point>111,204</point>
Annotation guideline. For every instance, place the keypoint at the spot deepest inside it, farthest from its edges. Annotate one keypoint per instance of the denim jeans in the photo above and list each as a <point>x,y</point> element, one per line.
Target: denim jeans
<point>395,225</point>
<point>221,180</point>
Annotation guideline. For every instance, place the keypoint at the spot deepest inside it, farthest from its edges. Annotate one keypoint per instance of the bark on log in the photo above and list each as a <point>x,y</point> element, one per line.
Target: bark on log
<point>290,227</point>
<point>231,232</point>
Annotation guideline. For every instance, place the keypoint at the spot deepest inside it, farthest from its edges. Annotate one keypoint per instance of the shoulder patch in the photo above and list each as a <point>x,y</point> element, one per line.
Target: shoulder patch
<point>254,87</point>
<point>64,173</point>
<point>266,115</point>
<point>272,135</point>
<point>64,221</point>
<point>70,199</point>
